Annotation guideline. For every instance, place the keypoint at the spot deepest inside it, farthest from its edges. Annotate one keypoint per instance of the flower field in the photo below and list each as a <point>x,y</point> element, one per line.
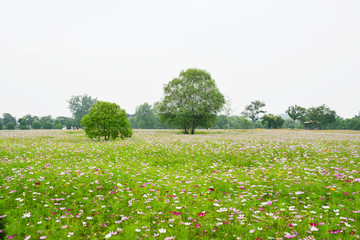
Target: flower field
<point>163,185</point>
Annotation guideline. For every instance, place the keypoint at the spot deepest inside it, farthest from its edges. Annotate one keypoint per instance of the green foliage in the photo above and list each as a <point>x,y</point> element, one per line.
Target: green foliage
<point>1,124</point>
<point>161,180</point>
<point>36,125</point>
<point>289,123</point>
<point>296,112</point>
<point>79,107</point>
<point>45,119</point>
<point>106,120</point>
<point>7,117</point>
<point>10,126</point>
<point>133,122</point>
<point>145,117</point>
<point>253,110</point>
<point>23,123</point>
<point>240,122</point>
<point>221,122</point>
<point>321,115</point>
<point>29,119</point>
<point>191,100</point>
<point>352,123</point>
<point>47,125</point>
<point>271,121</point>
<point>57,124</point>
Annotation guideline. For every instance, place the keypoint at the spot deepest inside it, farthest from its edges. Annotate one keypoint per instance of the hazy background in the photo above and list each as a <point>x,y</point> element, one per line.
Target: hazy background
<point>281,52</point>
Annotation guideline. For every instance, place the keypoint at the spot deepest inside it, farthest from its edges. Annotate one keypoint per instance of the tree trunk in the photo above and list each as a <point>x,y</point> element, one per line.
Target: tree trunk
<point>192,131</point>
<point>186,131</point>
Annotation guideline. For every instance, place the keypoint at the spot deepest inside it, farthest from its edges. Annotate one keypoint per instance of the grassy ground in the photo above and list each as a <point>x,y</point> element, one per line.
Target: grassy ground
<point>231,184</point>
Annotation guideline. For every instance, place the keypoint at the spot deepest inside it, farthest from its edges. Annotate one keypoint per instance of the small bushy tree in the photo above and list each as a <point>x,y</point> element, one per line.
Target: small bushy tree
<point>47,125</point>
<point>106,120</point>
<point>36,125</point>
<point>10,126</point>
<point>57,124</point>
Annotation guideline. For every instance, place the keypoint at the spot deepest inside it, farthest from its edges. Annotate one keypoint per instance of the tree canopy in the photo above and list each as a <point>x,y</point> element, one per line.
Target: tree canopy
<point>191,100</point>
<point>296,112</point>
<point>79,107</point>
<point>271,121</point>
<point>145,117</point>
<point>106,120</point>
<point>253,110</point>
<point>7,117</point>
<point>321,115</point>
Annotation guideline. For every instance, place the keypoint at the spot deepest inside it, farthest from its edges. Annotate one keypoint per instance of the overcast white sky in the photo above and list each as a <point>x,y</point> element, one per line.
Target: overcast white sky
<point>281,52</point>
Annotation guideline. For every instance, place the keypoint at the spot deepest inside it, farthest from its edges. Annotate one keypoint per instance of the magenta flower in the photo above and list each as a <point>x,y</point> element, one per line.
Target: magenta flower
<point>198,226</point>
<point>10,237</point>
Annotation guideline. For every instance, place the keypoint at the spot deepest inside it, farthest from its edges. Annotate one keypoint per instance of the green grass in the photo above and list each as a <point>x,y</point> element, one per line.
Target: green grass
<point>218,184</point>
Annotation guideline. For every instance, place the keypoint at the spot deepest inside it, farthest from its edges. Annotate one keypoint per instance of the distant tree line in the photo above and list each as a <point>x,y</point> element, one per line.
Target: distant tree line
<point>191,100</point>
<point>145,117</point>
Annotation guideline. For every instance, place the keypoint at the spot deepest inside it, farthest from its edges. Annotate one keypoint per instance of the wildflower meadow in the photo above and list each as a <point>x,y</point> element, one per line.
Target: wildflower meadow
<point>261,184</point>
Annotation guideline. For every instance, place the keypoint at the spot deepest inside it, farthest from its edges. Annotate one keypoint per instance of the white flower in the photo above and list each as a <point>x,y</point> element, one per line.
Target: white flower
<point>313,229</point>
<point>108,236</point>
<point>137,230</point>
<point>162,230</point>
<point>27,215</point>
<point>252,231</point>
<point>27,238</point>
<point>325,207</point>
<point>89,218</point>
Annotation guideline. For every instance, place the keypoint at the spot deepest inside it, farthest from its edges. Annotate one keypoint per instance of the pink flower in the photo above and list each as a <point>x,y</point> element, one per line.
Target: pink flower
<point>198,226</point>
<point>10,237</point>
<point>42,237</point>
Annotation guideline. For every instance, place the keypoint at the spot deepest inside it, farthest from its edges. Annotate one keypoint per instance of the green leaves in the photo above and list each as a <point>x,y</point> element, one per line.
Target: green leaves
<point>79,106</point>
<point>190,101</point>
<point>253,110</point>
<point>106,120</point>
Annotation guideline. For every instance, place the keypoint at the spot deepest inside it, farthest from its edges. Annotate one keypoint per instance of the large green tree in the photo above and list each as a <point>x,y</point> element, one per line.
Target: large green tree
<point>7,117</point>
<point>106,120</point>
<point>23,123</point>
<point>145,117</point>
<point>253,110</point>
<point>296,113</point>
<point>1,124</point>
<point>321,115</point>
<point>79,107</point>
<point>271,121</point>
<point>191,100</point>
